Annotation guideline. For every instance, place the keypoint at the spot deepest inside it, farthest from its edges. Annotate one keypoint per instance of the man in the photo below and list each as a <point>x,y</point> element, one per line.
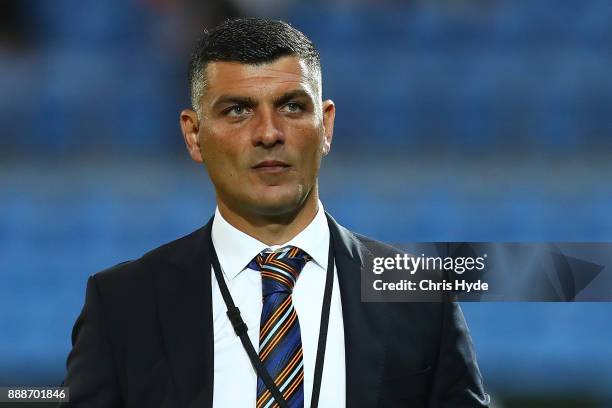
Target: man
<point>156,331</point>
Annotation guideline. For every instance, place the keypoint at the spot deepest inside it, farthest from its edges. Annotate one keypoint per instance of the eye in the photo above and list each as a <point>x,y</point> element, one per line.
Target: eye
<point>292,107</point>
<point>236,110</point>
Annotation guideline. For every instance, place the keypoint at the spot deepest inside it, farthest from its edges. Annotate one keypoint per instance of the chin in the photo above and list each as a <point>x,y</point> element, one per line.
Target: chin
<point>271,203</point>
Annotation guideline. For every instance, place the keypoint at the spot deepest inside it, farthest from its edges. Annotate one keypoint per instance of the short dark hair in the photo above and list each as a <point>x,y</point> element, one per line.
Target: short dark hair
<point>248,41</point>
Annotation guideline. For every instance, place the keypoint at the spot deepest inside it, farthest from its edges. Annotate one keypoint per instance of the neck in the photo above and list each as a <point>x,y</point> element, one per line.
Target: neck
<point>273,229</point>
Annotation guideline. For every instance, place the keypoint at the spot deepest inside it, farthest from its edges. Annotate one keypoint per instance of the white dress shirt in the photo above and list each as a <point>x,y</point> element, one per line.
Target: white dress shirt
<point>235,379</point>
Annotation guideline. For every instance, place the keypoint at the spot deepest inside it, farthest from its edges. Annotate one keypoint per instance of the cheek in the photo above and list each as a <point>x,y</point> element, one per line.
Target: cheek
<point>311,148</point>
<point>220,150</point>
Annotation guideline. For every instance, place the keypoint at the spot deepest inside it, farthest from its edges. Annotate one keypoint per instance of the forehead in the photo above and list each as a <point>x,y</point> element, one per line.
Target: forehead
<point>282,74</point>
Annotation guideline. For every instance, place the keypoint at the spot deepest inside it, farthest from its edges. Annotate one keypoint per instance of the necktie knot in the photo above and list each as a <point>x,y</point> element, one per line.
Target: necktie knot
<point>279,269</point>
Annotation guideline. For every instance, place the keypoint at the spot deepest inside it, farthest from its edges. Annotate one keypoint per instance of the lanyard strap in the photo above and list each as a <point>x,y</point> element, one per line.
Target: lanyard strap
<point>240,327</point>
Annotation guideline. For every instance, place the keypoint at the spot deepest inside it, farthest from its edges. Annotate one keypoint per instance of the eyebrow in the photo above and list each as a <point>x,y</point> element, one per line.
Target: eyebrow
<point>298,93</point>
<point>234,99</point>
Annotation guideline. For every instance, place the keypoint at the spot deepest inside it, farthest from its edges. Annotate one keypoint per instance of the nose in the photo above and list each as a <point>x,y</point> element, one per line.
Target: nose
<point>268,132</point>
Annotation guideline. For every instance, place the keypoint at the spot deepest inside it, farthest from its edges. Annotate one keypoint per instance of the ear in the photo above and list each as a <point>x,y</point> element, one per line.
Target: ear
<point>190,127</point>
<point>329,114</point>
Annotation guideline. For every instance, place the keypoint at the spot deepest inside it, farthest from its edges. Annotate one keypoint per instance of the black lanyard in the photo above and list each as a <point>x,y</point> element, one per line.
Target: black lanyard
<point>240,328</point>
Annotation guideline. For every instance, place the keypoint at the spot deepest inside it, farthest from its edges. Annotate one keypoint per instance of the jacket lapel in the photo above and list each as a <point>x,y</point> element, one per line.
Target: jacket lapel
<point>364,323</point>
<point>185,315</point>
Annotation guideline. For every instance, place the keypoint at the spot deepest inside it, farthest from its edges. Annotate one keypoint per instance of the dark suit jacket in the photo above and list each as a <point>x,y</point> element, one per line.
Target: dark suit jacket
<point>145,336</point>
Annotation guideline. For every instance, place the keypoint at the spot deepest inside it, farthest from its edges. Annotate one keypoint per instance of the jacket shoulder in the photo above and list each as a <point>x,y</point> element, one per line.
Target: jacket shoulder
<point>375,246</point>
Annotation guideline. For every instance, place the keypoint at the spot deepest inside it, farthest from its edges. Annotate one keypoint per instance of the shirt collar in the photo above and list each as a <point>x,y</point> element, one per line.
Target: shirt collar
<point>236,249</point>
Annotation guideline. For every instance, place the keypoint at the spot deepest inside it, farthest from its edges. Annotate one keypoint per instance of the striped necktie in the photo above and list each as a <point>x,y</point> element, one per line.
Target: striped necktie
<point>280,341</point>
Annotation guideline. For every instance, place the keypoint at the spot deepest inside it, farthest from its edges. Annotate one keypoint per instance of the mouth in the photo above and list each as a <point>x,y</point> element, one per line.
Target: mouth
<point>271,166</point>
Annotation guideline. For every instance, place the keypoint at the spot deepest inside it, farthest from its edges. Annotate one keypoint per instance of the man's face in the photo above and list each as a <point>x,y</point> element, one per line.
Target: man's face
<point>262,133</point>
